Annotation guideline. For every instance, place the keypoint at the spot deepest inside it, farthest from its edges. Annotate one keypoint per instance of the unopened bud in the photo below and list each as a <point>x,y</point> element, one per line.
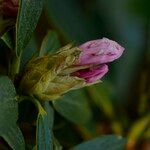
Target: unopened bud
<point>99,52</point>
<point>70,68</point>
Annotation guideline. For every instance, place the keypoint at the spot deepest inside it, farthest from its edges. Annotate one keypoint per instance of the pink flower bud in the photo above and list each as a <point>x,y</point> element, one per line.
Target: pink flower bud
<point>69,69</point>
<point>92,75</point>
<point>8,14</point>
<point>10,8</point>
<point>99,51</point>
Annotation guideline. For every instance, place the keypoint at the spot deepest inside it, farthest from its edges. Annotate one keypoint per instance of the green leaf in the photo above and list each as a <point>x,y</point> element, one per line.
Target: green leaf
<point>107,142</point>
<point>8,38</point>
<point>28,15</point>
<point>43,133</point>
<point>103,100</point>
<point>9,115</point>
<point>50,43</point>
<point>50,114</point>
<point>44,128</point>
<point>14,137</point>
<point>28,53</point>
<point>138,128</point>
<point>57,145</point>
<point>99,95</point>
<point>74,107</point>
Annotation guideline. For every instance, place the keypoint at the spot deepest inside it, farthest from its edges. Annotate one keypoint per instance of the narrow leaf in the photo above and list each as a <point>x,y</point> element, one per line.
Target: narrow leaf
<point>57,145</point>
<point>138,128</point>
<point>8,38</point>
<point>28,15</point>
<point>50,43</point>
<point>44,131</point>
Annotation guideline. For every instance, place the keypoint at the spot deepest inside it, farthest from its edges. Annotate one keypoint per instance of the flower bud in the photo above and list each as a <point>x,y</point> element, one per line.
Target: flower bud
<point>92,75</point>
<point>99,51</point>
<point>45,76</point>
<point>8,14</point>
<point>50,76</point>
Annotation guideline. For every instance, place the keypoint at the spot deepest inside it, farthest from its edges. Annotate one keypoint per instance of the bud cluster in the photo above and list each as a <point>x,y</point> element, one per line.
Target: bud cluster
<point>50,76</point>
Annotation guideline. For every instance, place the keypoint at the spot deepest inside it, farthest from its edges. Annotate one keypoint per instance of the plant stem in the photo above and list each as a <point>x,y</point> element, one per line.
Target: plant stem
<point>15,66</point>
<point>35,102</point>
<point>38,105</point>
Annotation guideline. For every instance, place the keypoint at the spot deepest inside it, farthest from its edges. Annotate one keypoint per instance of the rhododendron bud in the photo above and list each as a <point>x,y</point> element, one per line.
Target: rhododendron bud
<point>8,14</point>
<point>50,76</point>
<point>47,77</point>
<point>99,51</point>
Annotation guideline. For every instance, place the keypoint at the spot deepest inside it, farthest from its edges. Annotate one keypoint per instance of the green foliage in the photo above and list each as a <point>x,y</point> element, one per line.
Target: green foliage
<point>8,39</point>
<point>29,52</point>
<point>50,43</point>
<point>69,18</point>
<point>107,142</point>
<point>27,20</point>
<point>139,127</point>
<point>74,107</point>
<point>9,129</point>
<point>100,97</point>
<point>44,128</point>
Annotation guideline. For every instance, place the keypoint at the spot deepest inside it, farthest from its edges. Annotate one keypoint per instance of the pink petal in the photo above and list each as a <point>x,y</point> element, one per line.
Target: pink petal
<point>99,51</point>
<point>92,74</point>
